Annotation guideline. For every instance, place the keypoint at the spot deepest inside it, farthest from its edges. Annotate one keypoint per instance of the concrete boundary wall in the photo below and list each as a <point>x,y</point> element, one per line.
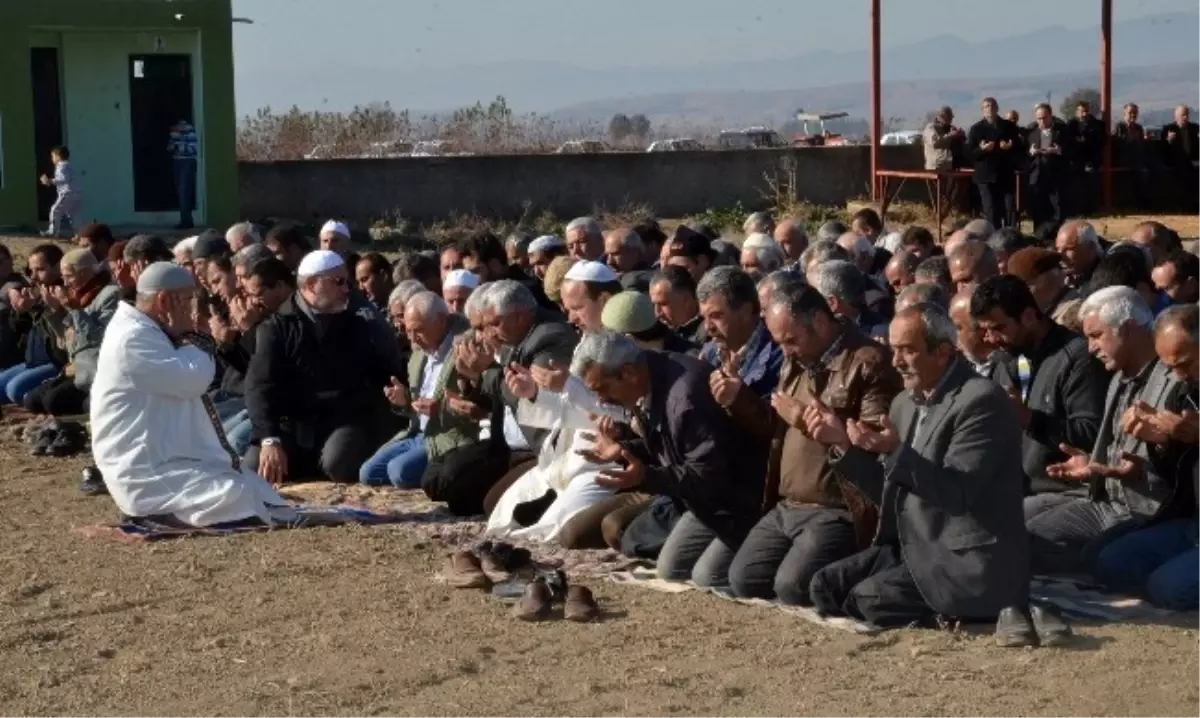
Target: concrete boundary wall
<point>674,184</point>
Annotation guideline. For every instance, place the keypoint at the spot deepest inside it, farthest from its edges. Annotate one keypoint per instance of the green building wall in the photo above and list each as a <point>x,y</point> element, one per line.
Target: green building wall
<point>25,24</point>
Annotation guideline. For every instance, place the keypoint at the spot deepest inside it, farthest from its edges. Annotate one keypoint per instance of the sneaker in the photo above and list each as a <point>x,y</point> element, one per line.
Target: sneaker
<point>68,442</point>
<point>45,439</point>
<point>1052,629</point>
<point>535,604</point>
<point>580,605</point>
<point>1014,628</point>
<point>91,482</point>
<point>464,571</point>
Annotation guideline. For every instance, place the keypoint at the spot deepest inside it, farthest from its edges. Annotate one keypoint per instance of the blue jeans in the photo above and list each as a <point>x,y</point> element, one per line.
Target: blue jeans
<point>238,429</point>
<point>227,405</point>
<point>1162,561</point>
<point>185,188</point>
<point>399,463</point>
<point>17,381</point>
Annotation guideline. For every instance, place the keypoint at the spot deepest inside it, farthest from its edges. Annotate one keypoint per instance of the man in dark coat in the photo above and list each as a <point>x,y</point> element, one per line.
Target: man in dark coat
<point>1181,142</point>
<point>1047,167</point>
<point>990,144</point>
<point>1086,137</point>
<point>680,443</point>
<point>314,385</point>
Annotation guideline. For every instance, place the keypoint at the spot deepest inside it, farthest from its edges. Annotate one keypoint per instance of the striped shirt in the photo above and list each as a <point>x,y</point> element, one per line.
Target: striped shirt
<point>184,143</point>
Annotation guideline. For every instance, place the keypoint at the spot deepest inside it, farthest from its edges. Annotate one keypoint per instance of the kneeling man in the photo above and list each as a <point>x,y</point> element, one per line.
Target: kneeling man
<point>156,437</point>
<point>945,470</point>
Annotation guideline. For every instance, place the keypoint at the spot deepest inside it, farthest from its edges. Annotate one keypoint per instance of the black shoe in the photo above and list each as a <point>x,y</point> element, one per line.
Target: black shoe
<point>91,482</point>
<point>68,442</point>
<point>1052,629</point>
<point>1014,629</point>
<point>45,439</point>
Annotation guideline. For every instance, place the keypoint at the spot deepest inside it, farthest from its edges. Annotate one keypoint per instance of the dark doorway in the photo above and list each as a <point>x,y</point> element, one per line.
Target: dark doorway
<point>160,94</point>
<point>47,118</point>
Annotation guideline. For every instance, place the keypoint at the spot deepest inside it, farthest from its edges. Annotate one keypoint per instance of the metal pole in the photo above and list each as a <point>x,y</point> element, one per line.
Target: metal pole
<point>876,104</point>
<point>1106,99</point>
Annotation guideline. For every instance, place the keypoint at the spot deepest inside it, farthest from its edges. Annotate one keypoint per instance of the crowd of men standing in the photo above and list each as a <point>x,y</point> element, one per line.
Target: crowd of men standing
<point>863,421</point>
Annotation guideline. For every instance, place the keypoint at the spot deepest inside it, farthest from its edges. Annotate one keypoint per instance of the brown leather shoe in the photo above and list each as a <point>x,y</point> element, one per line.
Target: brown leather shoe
<point>463,571</point>
<point>580,605</point>
<point>535,604</point>
<point>494,568</point>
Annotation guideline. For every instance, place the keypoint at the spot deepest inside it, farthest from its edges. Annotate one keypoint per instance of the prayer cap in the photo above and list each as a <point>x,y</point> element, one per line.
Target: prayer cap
<point>210,243</point>
<point>336,227</point>
<point>164,277</point>
<point>597,272</point>
<point>759,240</point>
<point>146,246</point>
<point>545,243</point>
<point>461,278</point>
<point>319,262</point>
<point>628,313</point>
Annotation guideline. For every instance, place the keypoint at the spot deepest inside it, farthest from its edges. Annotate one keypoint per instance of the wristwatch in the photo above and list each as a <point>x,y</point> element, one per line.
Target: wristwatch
<point>270,441</point>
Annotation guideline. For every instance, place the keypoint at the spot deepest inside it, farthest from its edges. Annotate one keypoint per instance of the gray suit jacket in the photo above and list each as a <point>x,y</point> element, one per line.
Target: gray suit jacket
<point>954,496</point>
<point>1151,493</point>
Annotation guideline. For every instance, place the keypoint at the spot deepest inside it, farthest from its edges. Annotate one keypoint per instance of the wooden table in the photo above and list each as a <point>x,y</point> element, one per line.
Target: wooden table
<point>939,184</point>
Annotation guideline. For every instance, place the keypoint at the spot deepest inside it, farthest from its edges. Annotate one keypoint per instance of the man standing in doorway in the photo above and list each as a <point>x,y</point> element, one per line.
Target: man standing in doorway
<point>184,149</point>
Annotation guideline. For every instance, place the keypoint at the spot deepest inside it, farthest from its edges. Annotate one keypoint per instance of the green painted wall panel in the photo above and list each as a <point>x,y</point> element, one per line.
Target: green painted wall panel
<point>132,24</point>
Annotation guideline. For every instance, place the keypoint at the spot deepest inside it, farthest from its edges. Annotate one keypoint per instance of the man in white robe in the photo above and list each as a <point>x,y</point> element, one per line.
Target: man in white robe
<point>155,436</point>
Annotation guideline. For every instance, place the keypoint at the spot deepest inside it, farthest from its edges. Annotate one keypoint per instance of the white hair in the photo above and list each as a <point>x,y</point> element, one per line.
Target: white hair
<point>427,304</point>
<point>770,258</point>
<point>507,296</point>
<point>860,246</point>
<point>244,231</point>
<point>612,351</point>
<point>404,291</point>
<point>591,228</point>
<point>1114,306</point>
<point>939,328</point>
<point>839,278</point>
<point>475,302</point>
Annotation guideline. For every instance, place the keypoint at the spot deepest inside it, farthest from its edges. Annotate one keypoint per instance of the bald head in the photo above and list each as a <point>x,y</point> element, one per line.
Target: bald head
<point>1080,248</point>
<point>792,238</point>
<point>900,269</point>
<point>958,237</point>
<point>972,262</point>
<point>860,249</point>
<point>1156,238</point>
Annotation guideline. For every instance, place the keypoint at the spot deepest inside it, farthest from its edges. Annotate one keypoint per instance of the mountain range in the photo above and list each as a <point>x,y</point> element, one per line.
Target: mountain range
<point>572,92</point>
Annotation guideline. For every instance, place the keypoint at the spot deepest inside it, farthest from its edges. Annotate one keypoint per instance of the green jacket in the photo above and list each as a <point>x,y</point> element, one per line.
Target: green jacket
<point>445,430</point>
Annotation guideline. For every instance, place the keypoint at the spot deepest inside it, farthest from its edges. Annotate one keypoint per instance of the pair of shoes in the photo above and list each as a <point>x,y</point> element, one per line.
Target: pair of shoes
<point>579,605</point>
<point>501,561</point>
<point>1018,627</point>
<point>32,430</point>
<point>91,482</point>
<point>59,440</point>
<point>491,562</point>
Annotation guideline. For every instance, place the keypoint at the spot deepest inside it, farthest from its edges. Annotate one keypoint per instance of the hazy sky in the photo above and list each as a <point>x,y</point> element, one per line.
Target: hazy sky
<point>616,33</point>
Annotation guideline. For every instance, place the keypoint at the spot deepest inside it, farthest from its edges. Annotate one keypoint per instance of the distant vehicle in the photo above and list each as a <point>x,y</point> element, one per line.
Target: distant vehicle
<point>817,136</point>
<point>903,137</point>
<point>750,138</point>
<point>320,152</point>
<point>395,148</point>
<point>435,148</point>
<point>581,147</point>
<point>677,144</point>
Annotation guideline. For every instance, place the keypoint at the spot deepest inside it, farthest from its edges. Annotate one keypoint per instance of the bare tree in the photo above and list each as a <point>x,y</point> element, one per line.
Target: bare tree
<point>620,127</point>
<point>1081,94</point>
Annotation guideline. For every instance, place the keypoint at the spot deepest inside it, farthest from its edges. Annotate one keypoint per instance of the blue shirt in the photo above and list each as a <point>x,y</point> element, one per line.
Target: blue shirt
<point>184,143</point>
<point>761,360</point>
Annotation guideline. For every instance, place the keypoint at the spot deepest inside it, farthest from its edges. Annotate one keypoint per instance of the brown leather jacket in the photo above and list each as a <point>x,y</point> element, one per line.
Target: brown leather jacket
<point>860,383</point>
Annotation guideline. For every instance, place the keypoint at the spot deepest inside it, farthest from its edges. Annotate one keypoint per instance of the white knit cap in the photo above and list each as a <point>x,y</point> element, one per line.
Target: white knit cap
<point>461,278</point>
<point>336,227</point>
<point>591,272</point>
<point>319,262</point>
<point>545,243</point>
<point>759,240</point>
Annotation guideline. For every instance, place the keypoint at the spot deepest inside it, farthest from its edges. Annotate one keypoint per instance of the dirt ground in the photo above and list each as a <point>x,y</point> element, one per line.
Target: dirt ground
<point>350,621</point>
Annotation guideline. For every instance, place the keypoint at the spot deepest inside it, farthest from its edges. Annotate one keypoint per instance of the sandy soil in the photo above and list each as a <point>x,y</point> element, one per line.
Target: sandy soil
<point>351,621</point>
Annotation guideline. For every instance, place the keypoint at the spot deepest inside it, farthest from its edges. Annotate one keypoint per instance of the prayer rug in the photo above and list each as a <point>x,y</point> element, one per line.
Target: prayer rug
<point>146,530</point>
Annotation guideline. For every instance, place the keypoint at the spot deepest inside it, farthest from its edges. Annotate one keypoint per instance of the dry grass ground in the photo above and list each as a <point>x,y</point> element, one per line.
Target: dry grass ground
<point>350,621</point>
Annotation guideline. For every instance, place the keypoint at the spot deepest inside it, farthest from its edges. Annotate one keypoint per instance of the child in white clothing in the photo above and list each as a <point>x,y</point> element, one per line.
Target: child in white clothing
<point>66,208</point>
